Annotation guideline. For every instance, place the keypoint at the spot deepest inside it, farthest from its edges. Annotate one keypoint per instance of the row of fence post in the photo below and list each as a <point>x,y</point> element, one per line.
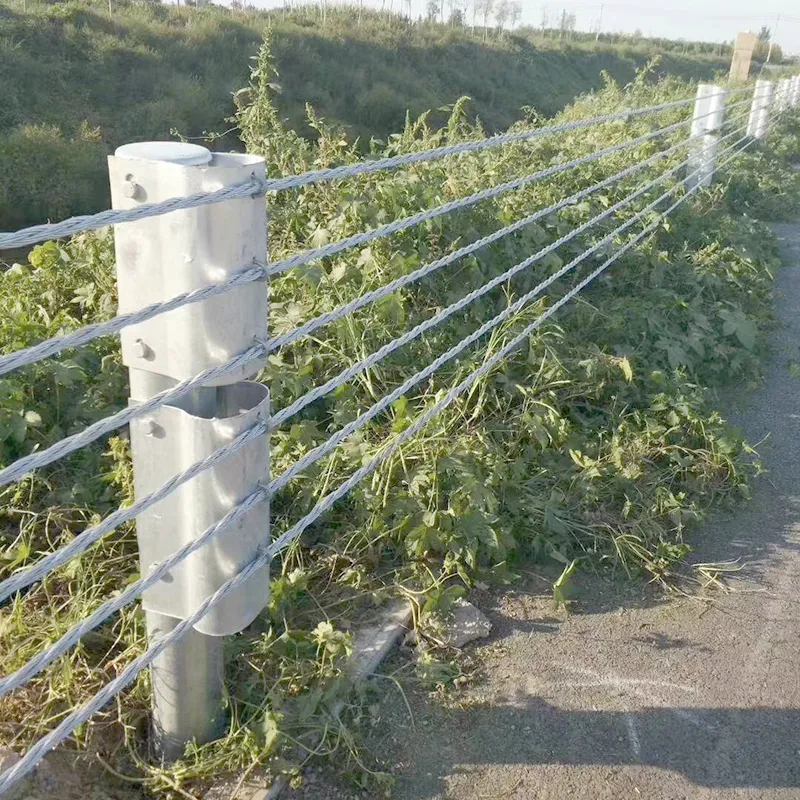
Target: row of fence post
<point>709,115</point>
<point>163,256</point>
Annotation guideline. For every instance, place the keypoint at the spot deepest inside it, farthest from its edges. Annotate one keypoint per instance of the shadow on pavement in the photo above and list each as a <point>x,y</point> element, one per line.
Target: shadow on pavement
<point>761,744</point>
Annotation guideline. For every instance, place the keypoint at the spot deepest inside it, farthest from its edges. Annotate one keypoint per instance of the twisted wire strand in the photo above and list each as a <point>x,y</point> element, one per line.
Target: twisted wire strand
<point>80,715</point>
<point>89,222</point>
<point>348,374</point>
<point>89,333</point>
<point>323,505</point>
<point>319,452</point>
<point>70,444</point>
<point>364,167</point>
<point>299,259</point>
<point>90,536</point>
<point>56,344</point>
<point>367,298</point>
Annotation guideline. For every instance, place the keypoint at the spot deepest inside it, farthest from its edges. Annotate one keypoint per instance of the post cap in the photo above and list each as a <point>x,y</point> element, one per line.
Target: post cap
<point>183,153</point>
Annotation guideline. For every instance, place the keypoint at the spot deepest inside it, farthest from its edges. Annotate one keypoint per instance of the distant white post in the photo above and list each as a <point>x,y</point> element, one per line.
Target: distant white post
<point>759,110</point>
<point>709,114</point>
<point>782,95</point>
<point>777,98</point>
<point>796,90</point>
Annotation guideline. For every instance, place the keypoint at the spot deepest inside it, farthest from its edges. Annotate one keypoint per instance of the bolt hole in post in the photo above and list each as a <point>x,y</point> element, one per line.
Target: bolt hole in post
<point>158,258</point>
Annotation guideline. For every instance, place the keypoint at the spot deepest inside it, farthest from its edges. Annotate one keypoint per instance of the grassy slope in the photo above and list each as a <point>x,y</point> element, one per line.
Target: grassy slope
<point>77,83</point>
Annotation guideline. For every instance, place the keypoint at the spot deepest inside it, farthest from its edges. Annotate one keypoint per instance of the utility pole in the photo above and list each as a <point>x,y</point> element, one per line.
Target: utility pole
<point>563,22</point>
<point>772,38</point>
<point>599,23</point>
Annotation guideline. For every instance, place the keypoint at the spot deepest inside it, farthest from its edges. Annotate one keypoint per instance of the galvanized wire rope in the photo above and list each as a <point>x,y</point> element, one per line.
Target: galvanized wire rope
<point>364,167</point>
<point>94,534</point>
<point>323,505</point>
<point>70,444</point>
<point>255,186</point>
<point>299,259</point>
<point>36,460</point>
<point>90,536</point>
<point>319,452</point>
<point>348,374</point>
<point>88,333</point>
<point>82,714</point>
<point>36,753</point>
<point>82,542</point>
<point>367,298</point>
<point>89,222</point>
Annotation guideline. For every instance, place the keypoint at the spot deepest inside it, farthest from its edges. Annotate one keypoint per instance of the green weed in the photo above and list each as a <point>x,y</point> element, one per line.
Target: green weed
<point>598,443</point>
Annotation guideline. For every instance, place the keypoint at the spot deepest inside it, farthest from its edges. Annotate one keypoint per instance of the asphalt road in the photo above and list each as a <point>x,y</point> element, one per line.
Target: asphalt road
<point>638,694</point>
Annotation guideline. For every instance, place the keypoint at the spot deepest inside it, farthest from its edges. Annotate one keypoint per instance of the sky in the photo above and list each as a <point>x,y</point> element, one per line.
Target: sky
<point>706,20</point>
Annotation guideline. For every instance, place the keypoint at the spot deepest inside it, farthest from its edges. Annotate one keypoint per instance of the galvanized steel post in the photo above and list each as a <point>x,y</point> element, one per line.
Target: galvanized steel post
<point>778,97</point>
<point>794,91</point>
<point>759,109</point>
<point>709,114</point>
<point>158,258</point>
<point>783,95</point>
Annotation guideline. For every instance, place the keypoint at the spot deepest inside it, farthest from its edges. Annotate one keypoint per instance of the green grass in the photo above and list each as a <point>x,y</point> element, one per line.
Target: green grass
<point>78,83</point>
<point>598,443</point>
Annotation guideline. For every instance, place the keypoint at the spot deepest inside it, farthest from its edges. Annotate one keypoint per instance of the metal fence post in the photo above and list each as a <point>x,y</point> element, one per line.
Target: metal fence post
<point>158,258</point>
<point>783,95</point>
<point>795,91</point>
<point>759,110</point>
<point>777,99</point>
<point>709,114</point>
